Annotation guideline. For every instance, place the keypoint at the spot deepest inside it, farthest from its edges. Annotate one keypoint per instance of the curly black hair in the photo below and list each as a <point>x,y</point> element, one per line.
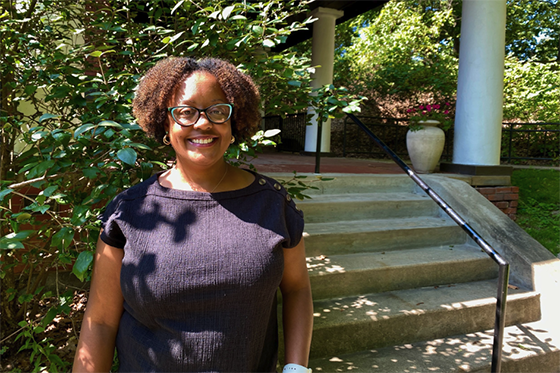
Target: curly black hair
<point>160,83</point>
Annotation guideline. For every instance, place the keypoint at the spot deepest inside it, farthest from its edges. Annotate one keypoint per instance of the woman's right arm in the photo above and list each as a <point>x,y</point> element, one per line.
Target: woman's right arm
<point>103,312</point>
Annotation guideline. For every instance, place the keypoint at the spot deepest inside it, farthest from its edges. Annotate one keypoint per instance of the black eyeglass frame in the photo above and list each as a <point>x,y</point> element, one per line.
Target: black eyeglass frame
<point>200,111</point>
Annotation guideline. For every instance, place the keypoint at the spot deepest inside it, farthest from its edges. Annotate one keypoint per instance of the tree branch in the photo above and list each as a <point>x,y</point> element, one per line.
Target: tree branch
<point>28,182</point>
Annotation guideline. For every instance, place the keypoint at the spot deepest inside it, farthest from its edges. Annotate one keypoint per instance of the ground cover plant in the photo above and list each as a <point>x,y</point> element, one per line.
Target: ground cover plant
<point>538,212</point>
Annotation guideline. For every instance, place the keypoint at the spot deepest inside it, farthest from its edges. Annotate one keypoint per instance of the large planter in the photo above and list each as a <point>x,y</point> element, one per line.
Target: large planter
<point>425,146</point>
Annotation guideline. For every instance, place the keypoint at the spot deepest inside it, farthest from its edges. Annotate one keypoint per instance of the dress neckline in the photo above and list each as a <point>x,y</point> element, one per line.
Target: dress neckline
<point>159,189</point>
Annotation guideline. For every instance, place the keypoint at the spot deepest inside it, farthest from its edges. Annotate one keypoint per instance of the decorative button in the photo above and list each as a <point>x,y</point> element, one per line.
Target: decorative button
<point>277,186</point>
<point>262,181</point>
<point>297,208</point>
<point>288,198</point>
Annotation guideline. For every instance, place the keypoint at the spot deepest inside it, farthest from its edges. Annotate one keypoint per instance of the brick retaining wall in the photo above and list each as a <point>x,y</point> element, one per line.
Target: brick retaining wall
<point>503,197</point>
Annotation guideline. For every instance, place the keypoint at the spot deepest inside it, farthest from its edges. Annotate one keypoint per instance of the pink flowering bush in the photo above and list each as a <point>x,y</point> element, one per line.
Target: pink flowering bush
<point>444,114</point>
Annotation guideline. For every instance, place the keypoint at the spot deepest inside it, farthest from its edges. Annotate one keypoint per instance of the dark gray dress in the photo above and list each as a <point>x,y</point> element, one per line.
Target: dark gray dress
<point>200,274</point>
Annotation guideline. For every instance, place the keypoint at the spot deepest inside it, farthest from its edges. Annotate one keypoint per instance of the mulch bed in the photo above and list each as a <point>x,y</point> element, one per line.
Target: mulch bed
<point>62,333</point>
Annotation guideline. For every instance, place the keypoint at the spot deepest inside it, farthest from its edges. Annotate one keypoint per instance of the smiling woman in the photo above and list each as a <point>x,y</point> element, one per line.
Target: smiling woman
<point>161,82</point>
<point>189,262</point>
<point>200,143</point>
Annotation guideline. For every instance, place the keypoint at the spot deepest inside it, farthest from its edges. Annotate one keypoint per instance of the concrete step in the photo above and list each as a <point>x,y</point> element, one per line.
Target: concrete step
<point>362,273</point>
<point>374,320</point>
<point>333,207</point>
<point>530,347</point>
<point>370,235</point>
<point>351,183</point>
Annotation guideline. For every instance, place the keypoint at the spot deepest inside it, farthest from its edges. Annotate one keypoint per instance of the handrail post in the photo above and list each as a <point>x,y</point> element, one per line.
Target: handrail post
<point>545,147</point>
<point>510,141</point>
<point>499,325</point>
<point>318,147</point>
<point>344,140</point>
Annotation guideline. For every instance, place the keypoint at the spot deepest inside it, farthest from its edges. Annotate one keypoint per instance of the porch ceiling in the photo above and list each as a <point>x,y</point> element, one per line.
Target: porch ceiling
<point>351,9</point>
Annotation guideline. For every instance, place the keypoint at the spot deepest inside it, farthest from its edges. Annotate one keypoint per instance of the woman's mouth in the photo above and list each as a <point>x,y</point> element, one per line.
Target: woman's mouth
<point>202,141</point>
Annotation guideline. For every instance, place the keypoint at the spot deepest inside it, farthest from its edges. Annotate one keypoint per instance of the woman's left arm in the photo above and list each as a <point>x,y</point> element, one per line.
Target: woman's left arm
<point>297,306</point>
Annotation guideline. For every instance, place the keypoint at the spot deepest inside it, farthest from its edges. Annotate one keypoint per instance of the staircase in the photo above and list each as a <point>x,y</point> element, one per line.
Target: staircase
<point>399,287</point>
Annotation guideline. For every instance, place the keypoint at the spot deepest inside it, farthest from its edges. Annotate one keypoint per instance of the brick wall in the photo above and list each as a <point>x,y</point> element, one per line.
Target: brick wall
<point>505,198</point>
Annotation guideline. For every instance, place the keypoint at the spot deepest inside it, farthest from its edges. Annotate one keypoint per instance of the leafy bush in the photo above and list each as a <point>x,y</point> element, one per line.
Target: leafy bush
<point>69,143</point>
<point>531,90</point>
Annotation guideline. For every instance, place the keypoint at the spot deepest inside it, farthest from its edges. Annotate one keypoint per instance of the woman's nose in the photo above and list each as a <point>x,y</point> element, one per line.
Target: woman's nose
<point>203,123</point>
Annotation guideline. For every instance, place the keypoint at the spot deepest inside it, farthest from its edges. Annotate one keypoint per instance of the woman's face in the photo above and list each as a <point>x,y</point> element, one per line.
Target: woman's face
<point>203,144</point>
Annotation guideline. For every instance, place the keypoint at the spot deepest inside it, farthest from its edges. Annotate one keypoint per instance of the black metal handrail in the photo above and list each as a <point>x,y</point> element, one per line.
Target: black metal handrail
<point>503,274</point>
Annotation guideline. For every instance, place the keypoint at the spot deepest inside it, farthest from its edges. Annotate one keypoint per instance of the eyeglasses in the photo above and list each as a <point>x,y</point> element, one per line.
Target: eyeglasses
<point>187,116</point>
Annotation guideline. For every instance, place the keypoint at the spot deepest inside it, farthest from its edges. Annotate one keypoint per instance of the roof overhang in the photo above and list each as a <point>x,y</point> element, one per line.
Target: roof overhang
<point>351,10</point>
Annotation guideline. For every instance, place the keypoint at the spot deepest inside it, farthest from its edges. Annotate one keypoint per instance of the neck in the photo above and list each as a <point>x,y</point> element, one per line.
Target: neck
<point>204,180</point>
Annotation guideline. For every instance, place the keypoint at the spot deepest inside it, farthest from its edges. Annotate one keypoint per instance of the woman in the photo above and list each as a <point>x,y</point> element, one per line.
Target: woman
<point>188,262</point>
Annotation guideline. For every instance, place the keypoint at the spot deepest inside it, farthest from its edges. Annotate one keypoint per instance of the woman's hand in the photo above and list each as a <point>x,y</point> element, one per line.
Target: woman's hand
<point>104,308</point>
<point>297,306</point>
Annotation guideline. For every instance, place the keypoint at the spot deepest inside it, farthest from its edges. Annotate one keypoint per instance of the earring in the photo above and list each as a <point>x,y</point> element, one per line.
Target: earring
<point>166,140</point>
<point>232,140</point>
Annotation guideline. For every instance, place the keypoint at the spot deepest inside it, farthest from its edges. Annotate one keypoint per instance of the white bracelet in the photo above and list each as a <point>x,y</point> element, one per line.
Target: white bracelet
<point>295,368</point>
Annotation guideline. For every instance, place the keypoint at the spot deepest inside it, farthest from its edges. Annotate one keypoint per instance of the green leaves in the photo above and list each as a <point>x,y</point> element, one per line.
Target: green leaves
<point>63,238</point>
<point>80,214</point>
<point>400,53</point>
<point>99,53</point>
<point>47,116</point>
<point>80,130</point>
<point>14,240</point>
<point>179,3</point>
<point>127,155</point>
<point>332,102</point>
<point>82,264</point>
<point>298,184</point>
<point>69,104</point>
<point>227,12</point>
<point>171,39</point>
<point>532,30</point>
<point>4,193</point>
<point>531,91</point>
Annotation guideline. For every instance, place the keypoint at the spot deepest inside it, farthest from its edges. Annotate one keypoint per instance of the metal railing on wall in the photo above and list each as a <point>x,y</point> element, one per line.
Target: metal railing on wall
<point>537,142</point>
<point>521,142</point>
<point>503,273</point>
<point>530,141</point>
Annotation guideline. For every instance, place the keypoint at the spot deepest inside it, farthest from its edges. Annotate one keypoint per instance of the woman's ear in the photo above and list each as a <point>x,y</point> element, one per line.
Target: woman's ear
<point>168,121</point>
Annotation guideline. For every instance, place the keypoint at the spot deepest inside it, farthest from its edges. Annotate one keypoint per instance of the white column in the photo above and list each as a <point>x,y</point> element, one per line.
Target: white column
<point>478,119</point>
<point>323,55</point>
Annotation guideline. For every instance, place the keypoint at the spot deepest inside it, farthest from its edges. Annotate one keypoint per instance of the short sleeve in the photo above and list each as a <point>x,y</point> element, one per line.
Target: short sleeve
<point>112,234</point>
<point>294,222</point>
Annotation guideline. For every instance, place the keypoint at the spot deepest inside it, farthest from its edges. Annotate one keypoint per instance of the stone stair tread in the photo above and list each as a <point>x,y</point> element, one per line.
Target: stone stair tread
<point>326,265</point>
<point>380,271</point>
<point>529,347</point>
<point>351,183</point>
<point>360,206</point>
<point>371,225</point>
<point>364,197</point>
<point>409,302</point>
<point>376,320</point>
